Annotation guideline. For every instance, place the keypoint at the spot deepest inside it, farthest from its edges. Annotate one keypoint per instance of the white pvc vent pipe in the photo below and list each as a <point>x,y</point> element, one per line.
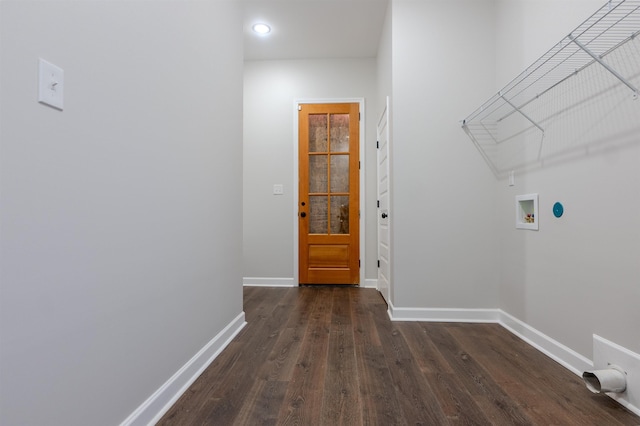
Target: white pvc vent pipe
<point>611,379</point>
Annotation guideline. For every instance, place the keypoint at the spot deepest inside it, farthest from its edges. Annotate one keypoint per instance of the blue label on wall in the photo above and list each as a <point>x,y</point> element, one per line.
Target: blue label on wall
<point>558,209</point>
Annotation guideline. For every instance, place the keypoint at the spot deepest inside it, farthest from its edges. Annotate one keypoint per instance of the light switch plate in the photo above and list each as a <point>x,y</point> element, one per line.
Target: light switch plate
<point>51,84</point>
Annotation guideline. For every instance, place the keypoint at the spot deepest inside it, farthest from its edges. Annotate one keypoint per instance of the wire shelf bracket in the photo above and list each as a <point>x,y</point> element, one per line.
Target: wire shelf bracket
<point>521,112</point>
<point>604,64</point>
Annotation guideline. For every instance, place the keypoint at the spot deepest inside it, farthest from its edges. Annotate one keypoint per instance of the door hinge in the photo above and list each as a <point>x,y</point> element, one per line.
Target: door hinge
<point>378,263</point>
<point>358,165</point>
<point>358,263</point>
<point>378,203</point>
<point>299,107</point>
<point>358,116</point>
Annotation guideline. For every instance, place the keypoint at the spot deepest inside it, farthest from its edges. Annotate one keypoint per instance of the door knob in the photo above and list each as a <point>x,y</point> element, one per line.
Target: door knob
<point>384,215</point>
<point>303,214</point>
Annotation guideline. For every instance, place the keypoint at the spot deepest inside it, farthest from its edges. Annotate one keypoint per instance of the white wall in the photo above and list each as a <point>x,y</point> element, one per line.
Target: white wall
<point>455,243</point>
<point>577,275</point>
<point>120,227</point>
<point>384,65</point>
<point>443,207</point>
<point>270,88</point>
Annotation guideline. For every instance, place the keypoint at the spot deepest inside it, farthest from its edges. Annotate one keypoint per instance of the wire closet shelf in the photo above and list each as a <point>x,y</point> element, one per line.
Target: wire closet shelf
<point>590,72</point>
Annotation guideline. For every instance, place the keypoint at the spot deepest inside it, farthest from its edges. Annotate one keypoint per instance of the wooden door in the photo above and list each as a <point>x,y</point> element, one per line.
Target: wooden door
<point>329,193</point>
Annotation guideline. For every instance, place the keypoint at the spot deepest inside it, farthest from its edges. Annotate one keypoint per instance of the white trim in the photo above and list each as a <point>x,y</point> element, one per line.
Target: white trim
<point>363,214</point>
<point>443,314</point>
<point>565,356</point>
<point>295,185</point>
<point>390,309</point>
<point>370,283</point>
<point>626,404</point>
<point>555,350</point>
<point>268,282</point>
<point>290,282</point>
<point>152,410</point>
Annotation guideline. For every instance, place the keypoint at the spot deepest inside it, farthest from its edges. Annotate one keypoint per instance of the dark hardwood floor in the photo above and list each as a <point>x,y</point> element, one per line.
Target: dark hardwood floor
<point>331,356</point>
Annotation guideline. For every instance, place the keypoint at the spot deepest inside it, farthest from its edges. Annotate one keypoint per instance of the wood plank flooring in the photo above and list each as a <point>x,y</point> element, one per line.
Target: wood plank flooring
<point>331,356</point>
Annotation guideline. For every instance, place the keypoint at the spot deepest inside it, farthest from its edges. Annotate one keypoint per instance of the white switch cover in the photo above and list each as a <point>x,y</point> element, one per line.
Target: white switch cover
<point>278,189</point>
<point>51,84</point>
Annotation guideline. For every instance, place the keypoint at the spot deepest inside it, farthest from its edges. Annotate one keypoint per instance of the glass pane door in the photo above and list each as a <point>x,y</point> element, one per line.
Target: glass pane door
<point>329,160</point>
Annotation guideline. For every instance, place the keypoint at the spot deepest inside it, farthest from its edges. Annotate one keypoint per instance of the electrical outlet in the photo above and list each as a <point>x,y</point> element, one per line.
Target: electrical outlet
<point>606,353</point>
<point>278,189</point>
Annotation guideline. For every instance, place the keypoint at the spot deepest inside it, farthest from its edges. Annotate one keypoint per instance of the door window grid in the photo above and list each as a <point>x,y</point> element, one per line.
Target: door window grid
<point>329,173</point>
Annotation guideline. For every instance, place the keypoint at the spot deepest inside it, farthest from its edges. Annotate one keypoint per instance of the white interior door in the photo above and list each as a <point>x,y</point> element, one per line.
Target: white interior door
<point>384,225</point>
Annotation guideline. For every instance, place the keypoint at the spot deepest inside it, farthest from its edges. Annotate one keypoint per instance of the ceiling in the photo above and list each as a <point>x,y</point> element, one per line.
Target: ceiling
<point>311,29</point>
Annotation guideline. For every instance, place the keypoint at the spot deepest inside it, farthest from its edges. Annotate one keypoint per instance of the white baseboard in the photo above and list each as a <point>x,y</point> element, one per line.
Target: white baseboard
<point>443,314</point>
<point>289,282</point>
<point>555,350</point>
<point>572,360</point>
<point>370,283</point>
<point>268,282</point>
<point>150,412</point>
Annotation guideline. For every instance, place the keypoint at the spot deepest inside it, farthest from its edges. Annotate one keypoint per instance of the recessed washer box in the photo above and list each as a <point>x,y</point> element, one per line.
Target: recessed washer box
<point>527,212</point>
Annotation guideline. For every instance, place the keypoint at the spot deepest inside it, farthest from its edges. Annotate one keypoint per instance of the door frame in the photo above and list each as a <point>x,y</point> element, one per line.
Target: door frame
<point>296,172</point>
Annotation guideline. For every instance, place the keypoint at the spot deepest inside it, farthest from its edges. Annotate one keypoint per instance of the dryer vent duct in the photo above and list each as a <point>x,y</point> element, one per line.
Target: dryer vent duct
<point>611,379</point>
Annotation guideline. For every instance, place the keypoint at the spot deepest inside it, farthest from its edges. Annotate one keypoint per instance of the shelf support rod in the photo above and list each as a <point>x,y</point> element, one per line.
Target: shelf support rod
<point>521,112</point>
<point>605,65</point>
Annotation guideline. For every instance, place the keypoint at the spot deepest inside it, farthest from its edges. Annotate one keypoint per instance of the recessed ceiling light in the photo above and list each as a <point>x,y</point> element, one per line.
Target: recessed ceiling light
<point>261,28</point>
